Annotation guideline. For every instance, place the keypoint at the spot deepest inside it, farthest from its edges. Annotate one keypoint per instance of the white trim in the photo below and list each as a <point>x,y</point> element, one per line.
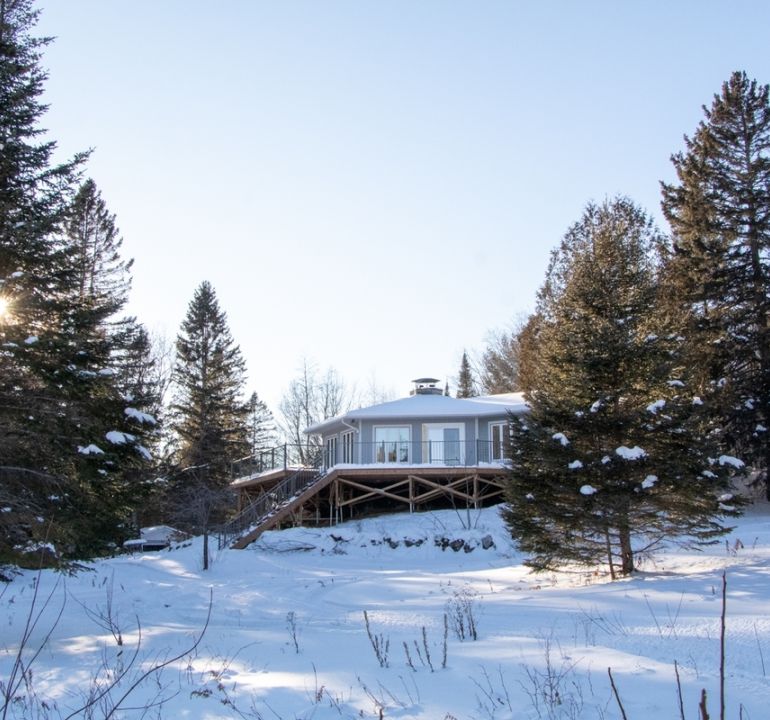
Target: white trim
<point>329,460</point>
<point>408,443</point>
<point>348,443</point>
<point>504,425</point>
<point>427,448</point>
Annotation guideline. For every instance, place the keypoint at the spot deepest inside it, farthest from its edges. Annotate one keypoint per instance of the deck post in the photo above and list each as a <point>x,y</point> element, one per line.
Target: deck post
<point>285,457</point>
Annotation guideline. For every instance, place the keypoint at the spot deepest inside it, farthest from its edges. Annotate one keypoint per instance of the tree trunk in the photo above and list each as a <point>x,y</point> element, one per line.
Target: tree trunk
<point>206,549</point>
<point>626,553</point>
<point>609,554</point>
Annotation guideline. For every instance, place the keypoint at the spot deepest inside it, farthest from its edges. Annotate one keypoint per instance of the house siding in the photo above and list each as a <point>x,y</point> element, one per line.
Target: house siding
<point>364,437</point>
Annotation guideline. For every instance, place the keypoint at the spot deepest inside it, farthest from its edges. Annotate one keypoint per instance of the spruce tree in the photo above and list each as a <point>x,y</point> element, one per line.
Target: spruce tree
<point>718,277</point>
<point>614,457</point>
<point>466,385</point>
<point>261,425</point>
<point>58,399</point>
<point>208,412</point>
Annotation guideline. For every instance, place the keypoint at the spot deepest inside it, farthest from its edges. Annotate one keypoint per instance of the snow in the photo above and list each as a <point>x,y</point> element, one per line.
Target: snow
<point>596,406</point>
<point>16,274</point>
<point>675,383</point>
<point>731,461</point>
<point>649,482</point>
<point>562,438</point>
<point>31,340</point>
<point>697,401</point>
<point>430,406</point>
<point>140,416</point>
<point>313,585</point>
<point>575,465</point>
<point>588,490</point>
<point>90,450</point>
<point>118,438</point>
<point>634,453</point>
<point>144,452</point>
<point>657,405</point>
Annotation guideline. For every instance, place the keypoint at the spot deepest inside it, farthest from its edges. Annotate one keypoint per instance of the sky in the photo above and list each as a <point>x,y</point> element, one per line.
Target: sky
<point>374,187</point>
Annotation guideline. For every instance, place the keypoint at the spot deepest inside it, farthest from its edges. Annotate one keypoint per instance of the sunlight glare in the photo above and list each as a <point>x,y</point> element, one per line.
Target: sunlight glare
<point>4,307</point>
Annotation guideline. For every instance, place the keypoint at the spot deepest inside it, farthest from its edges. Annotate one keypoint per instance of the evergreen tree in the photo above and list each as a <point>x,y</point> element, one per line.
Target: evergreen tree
<point>261,425</point>
<point>64,432</point>
<point>613,457</point>
<point>102,276</point>
<point>208,413</point>
<point>719,274</point>
<point>466,385</point>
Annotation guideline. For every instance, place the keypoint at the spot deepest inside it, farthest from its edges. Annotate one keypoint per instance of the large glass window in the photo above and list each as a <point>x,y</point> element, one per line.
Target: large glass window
<point>330,454</point>
<point>347,447</point>
<point>498,432</point>
<point>391,444</point>
<point>443,444</point>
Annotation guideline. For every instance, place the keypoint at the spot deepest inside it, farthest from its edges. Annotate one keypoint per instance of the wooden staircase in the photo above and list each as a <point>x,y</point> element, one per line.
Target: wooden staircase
<point>270,509</point>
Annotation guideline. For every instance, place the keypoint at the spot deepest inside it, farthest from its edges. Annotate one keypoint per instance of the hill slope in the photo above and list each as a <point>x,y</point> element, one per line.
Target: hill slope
<point>287,636</point>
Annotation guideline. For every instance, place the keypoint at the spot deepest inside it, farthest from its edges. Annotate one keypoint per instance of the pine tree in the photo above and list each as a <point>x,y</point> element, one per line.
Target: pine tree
<point>613,457</point>
<point>103,277</point>
<point>719,274</point>
<point>208,413</point>
<point>261,425</point>
<point>466,385</point>
<point>57,396</point>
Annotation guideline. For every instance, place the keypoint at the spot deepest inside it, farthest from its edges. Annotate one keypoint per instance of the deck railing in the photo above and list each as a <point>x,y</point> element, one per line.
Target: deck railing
<point>466,453</point>
<point>414,452</point>
<point>280,457</point>
<point>268,504</point>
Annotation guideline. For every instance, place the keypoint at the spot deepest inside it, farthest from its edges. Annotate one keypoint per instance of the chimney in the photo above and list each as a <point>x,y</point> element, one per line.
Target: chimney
<point>426,386</point>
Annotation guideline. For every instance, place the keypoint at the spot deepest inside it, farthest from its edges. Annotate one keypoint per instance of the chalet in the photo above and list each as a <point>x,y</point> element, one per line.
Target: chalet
<point>425,450</point>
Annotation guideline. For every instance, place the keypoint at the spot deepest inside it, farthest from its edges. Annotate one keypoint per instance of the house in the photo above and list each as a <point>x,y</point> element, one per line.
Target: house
<point>426,428</point>
<point>425,450</point>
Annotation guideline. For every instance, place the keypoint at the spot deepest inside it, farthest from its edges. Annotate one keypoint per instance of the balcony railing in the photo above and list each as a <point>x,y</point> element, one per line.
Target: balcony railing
<point>414,452</point>
<point>460,453</point>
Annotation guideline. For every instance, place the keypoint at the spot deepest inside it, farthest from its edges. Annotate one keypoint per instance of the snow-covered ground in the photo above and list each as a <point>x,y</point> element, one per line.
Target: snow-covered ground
<point>287,636</point>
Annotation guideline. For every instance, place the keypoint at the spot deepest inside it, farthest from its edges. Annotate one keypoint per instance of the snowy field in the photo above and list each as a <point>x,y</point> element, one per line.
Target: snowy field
<point>287,637</point>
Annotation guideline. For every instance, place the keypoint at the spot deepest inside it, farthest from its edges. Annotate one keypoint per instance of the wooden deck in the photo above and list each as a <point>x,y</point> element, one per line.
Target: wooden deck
<point>345,492</point>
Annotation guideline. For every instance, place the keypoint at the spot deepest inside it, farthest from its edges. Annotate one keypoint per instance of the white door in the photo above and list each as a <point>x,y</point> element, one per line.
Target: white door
<point>443,444</point>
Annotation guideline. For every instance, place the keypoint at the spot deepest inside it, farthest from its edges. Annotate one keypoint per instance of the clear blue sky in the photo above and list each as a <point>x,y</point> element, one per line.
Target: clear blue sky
<point>374,185</point>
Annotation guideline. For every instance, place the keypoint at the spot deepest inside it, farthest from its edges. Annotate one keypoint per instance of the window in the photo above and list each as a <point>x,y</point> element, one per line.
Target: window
<point>498,433</point>
<point>443,443</point>
<point>347,447</point>
<point>330,452</point>
<point>391,444</point>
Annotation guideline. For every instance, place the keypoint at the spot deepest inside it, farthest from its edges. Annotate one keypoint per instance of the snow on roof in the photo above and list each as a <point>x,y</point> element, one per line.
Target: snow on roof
<point>430,406</point>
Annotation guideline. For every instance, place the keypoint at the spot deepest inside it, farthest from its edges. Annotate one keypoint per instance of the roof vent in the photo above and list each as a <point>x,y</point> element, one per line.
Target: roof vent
<point>426,386</point>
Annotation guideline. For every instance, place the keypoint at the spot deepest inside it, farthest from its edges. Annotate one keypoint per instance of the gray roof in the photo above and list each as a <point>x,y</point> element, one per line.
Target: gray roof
<point>430,406</point>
